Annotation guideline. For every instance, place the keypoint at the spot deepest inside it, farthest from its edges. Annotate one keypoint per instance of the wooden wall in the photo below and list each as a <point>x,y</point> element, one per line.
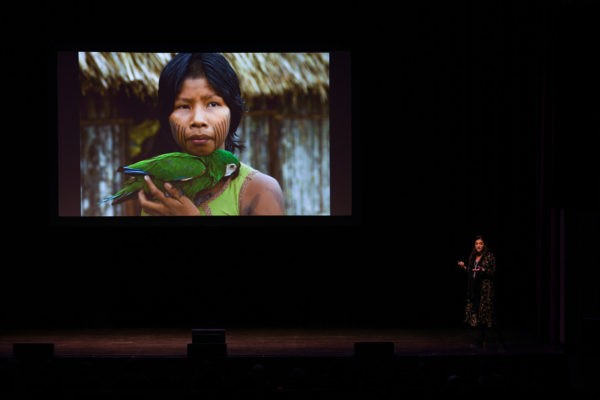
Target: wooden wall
<point>300,146</point>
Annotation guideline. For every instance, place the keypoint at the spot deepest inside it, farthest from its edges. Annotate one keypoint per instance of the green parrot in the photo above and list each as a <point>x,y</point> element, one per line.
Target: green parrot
<point>187,172</point>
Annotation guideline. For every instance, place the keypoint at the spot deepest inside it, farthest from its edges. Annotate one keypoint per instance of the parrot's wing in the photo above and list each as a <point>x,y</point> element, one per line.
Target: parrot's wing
<point>146,164</point>
<point>133,171</point>
<point>168,167</point>
<point>179,168</point>
<point>131,187</point>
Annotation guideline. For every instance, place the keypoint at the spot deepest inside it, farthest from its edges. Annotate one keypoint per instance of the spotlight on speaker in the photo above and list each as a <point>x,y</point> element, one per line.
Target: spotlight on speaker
<point>374,349</point>
<point>207,343</point>
<point>33,351</point>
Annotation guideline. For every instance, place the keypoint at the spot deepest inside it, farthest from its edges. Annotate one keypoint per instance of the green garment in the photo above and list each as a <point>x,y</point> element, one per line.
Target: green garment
<point>227,200</point>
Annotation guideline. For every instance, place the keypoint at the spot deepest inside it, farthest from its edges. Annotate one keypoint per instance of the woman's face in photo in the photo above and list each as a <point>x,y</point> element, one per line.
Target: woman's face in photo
<point>200,118</point>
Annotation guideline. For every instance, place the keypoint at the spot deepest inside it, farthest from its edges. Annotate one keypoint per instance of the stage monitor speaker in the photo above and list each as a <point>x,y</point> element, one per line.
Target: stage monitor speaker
<point>206,350</point>
<point>33,351</point>
<point>207,343</point>
<point>373,349</point>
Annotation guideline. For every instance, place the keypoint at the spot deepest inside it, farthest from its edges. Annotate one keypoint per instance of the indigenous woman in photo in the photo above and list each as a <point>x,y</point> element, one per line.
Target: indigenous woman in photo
<point>200,108</point>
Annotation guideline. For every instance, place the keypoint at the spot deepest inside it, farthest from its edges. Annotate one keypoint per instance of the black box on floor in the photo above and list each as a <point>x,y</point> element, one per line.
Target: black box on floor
<point>32,351</point>
<point>205,350</point>
<point>374,349</point>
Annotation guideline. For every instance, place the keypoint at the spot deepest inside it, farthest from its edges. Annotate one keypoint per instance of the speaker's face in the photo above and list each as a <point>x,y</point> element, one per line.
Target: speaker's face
<point>479,245</point>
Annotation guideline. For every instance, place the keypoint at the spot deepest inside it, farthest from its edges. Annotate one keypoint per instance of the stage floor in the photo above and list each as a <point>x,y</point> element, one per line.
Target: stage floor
<point>279,363</point>
<point>264,342</point>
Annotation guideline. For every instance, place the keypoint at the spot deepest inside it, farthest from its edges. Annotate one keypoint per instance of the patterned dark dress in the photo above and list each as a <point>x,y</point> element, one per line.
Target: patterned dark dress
<point>480,291</point>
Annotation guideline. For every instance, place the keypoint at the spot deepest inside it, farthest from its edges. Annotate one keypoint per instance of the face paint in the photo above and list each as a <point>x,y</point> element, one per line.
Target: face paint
<point>221,130</point>
<point>178,133</point>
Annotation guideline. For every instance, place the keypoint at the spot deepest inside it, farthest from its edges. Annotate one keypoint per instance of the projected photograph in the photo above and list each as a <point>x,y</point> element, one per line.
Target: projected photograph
<point>204,134</point>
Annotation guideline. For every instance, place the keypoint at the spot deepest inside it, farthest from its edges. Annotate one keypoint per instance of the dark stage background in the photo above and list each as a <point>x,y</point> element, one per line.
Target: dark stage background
<point>472,123</point>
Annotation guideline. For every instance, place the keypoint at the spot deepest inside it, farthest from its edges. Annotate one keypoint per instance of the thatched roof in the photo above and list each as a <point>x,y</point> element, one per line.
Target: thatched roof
<point>261,74</point>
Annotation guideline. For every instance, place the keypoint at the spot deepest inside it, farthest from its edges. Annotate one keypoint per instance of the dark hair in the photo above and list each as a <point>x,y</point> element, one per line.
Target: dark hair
<point>483,251</point>
<point>479,237</point>
<point>221,77</point>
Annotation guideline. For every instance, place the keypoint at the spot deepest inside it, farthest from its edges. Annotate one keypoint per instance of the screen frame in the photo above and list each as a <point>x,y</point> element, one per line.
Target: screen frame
<point>64,201</point>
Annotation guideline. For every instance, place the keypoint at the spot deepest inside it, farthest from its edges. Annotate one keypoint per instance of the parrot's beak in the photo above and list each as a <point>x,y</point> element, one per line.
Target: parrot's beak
<point>231,168</point>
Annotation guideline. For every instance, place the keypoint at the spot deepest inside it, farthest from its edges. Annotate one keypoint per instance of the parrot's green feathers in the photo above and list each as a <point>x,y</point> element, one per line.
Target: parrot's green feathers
<point>190,174</point>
